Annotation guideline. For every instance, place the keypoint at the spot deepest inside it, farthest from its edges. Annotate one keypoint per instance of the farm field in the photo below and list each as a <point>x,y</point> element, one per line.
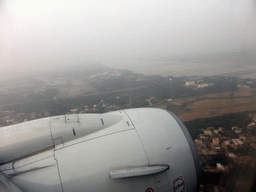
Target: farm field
<point>211,105</point>
<point>215,107</point>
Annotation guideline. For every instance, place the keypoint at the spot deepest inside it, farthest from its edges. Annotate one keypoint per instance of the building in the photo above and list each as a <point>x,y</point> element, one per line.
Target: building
<point>74,110</point>
<point>207,132</point>
<point>202,85</point>
<point>94,107</point>
<point>234,146</point>
<point>220,129</point>
<point>115,74</point>
<point>251,125</point>
<point>202,136</point>
<point>86,108</point>
<point>205,152</point>
<point>212,152</point>
<point>232,155</point>
<point>234,128</point>
<point>216,131</point>
<point>9,121</point>
<point>220,167</point>
<point>237,142</point>
<point>198,141</point>
<point>190,83</point>
<point>226,143</point>
<point>238,131</point>
<point>215,141</point>
<point>242,137</point>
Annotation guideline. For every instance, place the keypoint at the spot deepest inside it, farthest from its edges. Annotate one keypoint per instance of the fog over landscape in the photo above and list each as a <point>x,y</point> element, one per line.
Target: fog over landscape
<point>61,60</point>
<point>143,36</point>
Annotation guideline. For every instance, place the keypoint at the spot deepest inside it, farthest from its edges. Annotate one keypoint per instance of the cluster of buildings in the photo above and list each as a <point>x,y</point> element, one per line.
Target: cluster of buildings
<point>12,117</point>
<point>219,142</point>
<point>217,148</point>
<point>102,106</point>
<point>223,151</point>
<point>197,84</point>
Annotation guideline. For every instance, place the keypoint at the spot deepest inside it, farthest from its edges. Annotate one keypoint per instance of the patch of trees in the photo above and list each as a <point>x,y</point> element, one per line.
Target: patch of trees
<point>221,85</point>
<point>122,82</point>
<point>219,158</point>
<point>10,98</point>
<point>226,121</point>
<point>47,94</point>
<point>241,150</point>
<point>165,91</point>
<point>252,85</point>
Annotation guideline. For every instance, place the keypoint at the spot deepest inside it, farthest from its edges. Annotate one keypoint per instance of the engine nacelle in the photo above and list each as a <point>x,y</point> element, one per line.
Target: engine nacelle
<point>129,150</point>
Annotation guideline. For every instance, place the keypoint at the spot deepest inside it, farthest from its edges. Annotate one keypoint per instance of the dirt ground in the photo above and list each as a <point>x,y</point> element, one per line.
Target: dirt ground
<point>215,107</point>
<point>211,105</point>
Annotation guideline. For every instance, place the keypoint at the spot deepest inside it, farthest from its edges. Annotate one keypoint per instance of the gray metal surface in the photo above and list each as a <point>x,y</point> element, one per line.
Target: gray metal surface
<point>23,139</point>
<point>79,152</point>
<point>165,143</point>
<point>7,186</point>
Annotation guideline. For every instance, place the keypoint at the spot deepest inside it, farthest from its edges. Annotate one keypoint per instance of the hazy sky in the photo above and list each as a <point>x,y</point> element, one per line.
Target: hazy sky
<point>41,34</point>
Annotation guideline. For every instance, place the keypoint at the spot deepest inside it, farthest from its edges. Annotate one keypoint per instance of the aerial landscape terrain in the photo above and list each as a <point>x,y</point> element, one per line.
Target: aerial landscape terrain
<point>219,111</point>
<point>96,88</point>
<point>195,59</point>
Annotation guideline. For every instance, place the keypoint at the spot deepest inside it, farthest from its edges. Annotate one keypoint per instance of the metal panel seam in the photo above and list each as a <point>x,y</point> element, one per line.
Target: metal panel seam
<point>54,156</point>
<point>59,172</point>
<point>191,145</point>
<point>13,163</point>
<point>94,138</point>
<point>139,137</point>
<point>51,132</point>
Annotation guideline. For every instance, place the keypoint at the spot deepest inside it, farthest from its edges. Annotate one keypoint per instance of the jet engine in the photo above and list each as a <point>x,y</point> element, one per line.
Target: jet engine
<point>145,149</point>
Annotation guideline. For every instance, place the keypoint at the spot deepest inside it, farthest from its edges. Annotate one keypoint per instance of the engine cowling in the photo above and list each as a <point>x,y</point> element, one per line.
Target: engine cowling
<point>129,150</point>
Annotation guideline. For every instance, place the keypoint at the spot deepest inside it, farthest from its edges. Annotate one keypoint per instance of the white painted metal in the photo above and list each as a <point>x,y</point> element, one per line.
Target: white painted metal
<point>80,152</point>
<point>17,141</point>
<point>36,173</point>
<point>87,124</point>
<point>7,186</point>
<point>139,171</point>
<point>89,170</point>
<point>23,139</point>
<point>114,122</point>
<point>165,143</point>
<point>30,160</point>
<point>71,118</point>
<point>6,166</point>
